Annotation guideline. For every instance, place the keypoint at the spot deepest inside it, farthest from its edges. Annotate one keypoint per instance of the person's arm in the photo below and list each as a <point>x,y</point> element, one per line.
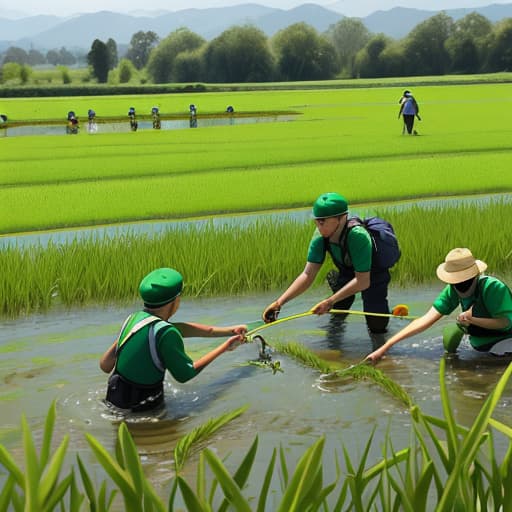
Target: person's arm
<point>416,326</point>
<point>108,359</point>
<point>466,318</point>
<point>195,330</point>
<point>301,283</point>
<point>360,282</point>
<point>229,344</point>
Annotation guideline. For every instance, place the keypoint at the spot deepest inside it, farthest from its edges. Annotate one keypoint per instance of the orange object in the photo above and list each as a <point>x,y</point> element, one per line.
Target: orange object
<point>400,310</point>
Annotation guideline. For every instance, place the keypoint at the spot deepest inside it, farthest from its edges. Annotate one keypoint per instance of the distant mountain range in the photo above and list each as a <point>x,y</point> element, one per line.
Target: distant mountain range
<point>78,32</point>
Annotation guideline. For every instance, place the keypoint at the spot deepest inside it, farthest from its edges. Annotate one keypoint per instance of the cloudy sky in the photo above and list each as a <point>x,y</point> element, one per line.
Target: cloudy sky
<point>346,7</point>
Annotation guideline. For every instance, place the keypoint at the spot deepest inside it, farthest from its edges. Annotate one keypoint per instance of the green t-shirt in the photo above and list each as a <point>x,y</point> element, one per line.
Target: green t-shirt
<point>359,248</point>
<point>492,299</point>
<point>134,359</point>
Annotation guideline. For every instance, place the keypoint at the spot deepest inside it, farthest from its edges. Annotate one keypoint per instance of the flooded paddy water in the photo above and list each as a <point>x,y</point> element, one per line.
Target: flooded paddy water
<point>55,357</point>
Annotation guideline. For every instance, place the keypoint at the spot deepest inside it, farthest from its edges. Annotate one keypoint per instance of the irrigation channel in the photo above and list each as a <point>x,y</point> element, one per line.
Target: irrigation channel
<point>55,356</point>
<point>124,126</point>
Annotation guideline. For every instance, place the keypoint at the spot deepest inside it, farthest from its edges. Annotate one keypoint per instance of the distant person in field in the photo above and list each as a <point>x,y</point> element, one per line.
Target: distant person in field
<point>409,109</point>
<point>155,114</point>
<point>485,301</point>
<point>133,119</point>
<point>148,345</point>
<point>72,126</point>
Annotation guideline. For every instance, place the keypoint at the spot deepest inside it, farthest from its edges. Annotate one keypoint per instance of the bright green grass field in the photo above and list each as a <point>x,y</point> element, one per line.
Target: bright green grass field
<point>348,140</point>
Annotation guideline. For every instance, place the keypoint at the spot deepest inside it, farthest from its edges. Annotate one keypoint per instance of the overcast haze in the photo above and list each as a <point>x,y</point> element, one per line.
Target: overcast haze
<point>347,7</point>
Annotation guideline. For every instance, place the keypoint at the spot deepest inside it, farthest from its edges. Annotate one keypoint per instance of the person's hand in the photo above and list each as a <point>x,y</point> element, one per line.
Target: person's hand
<point>239,329</point>
<point>465,317</point>
<point>234,342</point>
<point>375,355</point>
<point>322,307</point>
<point>271,312</point>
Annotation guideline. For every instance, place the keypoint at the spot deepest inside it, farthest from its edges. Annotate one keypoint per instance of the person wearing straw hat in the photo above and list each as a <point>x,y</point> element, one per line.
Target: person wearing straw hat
<point>485,301</point>
<point>148,344</point>
<point>353,259</point>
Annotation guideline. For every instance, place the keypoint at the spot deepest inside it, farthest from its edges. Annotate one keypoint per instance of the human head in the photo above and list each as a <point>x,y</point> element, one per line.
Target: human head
<point>330,204</point>
<point>407,93</point>
<point>459,266</point>
<point>160,287</point>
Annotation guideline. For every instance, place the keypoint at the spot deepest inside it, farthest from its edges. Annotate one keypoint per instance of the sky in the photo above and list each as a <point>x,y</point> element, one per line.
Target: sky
<point>346,7</point>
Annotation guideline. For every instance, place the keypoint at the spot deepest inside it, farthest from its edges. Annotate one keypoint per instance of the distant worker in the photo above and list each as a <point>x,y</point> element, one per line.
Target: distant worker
<point>409,109</point>
<point>193,116</point>
<point>155,114</point>
<point>133,120</point>
<point>91,116</point>
<point>230,109</point>
<point>72,126</point>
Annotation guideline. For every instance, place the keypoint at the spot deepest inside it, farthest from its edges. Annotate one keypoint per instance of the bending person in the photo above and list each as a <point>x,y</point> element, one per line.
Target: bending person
<point>486,304</point>
<point>148,345</point>
<point>351,250</point>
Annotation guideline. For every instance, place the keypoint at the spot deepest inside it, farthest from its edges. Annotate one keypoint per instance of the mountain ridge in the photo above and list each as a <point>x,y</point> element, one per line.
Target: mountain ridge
<point>45,32</point>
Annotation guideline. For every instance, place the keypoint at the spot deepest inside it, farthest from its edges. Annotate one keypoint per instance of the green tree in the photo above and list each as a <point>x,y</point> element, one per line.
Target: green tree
<point>368,62</point>
<point>65,57</point>
<point>15,54</point>
<point>189,66</point>
<point>425,50</point>
<point>113,59</point>
<point>98,59</point>
<point>467,42</point>
<point>239,54</point>
<point>141,45</point>
<point>302,54</point>
<point>65,75</point>
<point>52,57</point>
<point>161,61</point>
<point>500,47</point>
<point>349,35</point>
<point>35,57</point>
<point>126,71</point>
<point>11,71</point>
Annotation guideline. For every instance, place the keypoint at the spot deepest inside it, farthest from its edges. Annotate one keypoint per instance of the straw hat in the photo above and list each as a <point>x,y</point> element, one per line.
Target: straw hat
<point>459,265</point>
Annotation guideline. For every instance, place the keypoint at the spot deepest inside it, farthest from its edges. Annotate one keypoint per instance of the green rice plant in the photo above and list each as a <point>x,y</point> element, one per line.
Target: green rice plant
<point>235,259</point>
<point>37,487</point>
<point>185,444</point>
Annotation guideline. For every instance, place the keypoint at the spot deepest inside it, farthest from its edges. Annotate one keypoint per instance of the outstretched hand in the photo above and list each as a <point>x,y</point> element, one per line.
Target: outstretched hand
<point>322,307</point>
<point>239,329</point>
<point>375,355</point>
<point>271,312</point>
<point>235,341</point>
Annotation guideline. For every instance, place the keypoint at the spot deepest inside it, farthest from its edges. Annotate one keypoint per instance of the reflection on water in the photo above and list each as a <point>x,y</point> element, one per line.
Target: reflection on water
<point>55,356</point>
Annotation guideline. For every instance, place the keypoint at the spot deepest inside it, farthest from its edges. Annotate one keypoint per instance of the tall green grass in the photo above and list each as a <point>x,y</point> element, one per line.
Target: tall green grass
<point>231,260</point>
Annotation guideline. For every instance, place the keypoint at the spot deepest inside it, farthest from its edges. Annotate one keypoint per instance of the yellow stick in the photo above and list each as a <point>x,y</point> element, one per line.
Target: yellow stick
<point>332,311</point>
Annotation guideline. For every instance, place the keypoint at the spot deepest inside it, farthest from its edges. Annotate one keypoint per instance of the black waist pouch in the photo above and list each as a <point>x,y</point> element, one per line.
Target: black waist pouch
<point>125,394</point>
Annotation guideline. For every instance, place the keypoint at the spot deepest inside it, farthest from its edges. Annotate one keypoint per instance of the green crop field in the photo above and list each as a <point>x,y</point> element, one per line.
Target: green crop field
<point>347,140</point>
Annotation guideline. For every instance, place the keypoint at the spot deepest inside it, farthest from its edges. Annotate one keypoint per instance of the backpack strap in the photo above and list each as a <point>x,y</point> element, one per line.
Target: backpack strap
<point>154,329</point>
<point>342,242</point>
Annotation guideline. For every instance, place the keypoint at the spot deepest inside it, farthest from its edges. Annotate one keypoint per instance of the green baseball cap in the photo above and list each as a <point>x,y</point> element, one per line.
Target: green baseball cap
<point>160,287</point>
<point>329,204</point>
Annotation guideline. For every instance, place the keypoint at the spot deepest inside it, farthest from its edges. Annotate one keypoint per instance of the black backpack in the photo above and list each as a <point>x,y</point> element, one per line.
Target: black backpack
<point>386,251</point>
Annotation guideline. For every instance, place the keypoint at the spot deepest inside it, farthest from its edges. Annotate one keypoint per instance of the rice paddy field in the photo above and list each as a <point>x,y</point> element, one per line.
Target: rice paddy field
<point>62,303</point>
<point>348,140</point>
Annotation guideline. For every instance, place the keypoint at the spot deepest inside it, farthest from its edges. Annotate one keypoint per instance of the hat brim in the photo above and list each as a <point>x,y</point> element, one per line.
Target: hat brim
<point>462,275</point>
<point>313,216</point>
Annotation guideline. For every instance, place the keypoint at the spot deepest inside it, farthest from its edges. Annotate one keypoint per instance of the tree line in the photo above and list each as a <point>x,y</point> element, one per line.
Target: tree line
<point>436,46</point>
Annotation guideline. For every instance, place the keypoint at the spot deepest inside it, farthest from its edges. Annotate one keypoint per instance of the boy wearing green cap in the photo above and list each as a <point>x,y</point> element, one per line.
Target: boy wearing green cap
<point>350,248</point>
<point>148,345</point>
